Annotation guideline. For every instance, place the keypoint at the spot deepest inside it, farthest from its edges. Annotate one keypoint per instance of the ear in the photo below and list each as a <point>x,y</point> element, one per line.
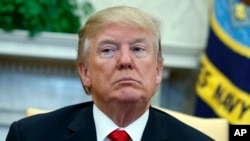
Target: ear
<point>84,74</point>
<point>159,71</point>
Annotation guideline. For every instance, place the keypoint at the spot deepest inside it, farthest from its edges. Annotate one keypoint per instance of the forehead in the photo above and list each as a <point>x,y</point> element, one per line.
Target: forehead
<point>122,32</point>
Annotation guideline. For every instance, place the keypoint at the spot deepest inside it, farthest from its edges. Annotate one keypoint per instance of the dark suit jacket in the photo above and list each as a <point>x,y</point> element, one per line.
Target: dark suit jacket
<point>76,123</point>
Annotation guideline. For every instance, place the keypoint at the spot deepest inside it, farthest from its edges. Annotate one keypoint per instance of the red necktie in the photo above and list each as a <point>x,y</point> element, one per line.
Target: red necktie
<point>119,135</point>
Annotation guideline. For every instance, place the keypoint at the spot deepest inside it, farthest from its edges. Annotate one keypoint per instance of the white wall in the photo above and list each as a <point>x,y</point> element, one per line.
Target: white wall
<point>184,22</point>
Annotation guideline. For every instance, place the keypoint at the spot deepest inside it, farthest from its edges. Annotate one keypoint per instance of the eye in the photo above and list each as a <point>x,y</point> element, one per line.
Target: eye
<point>139,51</point>
<point>108,51</point>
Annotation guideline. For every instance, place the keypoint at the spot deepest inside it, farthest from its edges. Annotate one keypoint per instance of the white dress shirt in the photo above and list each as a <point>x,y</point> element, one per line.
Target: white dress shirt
<point>104,125</point>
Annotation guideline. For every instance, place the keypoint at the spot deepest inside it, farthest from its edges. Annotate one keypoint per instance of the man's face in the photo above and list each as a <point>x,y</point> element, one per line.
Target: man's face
<point>122,66</point>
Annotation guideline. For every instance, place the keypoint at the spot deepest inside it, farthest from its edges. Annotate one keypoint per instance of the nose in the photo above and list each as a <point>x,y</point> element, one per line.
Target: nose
<point>125,60</point>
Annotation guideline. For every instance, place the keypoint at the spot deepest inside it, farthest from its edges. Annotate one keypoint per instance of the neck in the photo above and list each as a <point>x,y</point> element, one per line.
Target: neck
<point>124,114</point>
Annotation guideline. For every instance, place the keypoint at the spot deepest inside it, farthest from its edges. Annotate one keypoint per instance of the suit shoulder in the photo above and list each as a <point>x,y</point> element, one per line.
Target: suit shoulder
<point>180,130</point>
<point>52,124</point>
<point>59,116</point>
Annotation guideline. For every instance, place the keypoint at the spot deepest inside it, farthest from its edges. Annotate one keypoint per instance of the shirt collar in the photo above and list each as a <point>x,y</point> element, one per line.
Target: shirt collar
<point>104,125</point>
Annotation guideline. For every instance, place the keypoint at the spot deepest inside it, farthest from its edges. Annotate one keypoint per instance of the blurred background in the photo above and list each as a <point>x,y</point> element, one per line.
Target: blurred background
<point>38,44</point>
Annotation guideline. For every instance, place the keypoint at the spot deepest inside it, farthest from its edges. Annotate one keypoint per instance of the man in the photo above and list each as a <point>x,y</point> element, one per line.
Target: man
<point>120,65</point>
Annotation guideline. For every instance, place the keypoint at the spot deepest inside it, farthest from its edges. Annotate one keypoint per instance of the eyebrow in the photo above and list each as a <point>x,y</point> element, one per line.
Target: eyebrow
<point>138,40</point>
<point>106,40</point>
<point>111,40</point>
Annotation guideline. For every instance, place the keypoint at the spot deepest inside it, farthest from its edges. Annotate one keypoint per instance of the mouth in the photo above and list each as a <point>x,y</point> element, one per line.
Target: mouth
<point>126,80</point>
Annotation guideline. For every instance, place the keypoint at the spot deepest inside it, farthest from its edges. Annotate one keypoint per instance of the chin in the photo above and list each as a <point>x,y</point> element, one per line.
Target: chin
<point>128,100</point>
<point>129,97</point>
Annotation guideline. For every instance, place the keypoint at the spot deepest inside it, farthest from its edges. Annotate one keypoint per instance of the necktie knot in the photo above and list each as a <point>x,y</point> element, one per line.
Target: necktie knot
<point>119,135</point>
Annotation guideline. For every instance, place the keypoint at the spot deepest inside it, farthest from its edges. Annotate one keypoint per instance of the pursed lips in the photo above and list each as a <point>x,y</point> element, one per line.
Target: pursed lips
<point>126,80</point>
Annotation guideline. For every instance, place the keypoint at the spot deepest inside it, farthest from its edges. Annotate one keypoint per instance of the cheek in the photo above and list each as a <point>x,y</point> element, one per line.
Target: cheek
<point>101,73</point>
<point>147,67</point>
<point>150,74</point>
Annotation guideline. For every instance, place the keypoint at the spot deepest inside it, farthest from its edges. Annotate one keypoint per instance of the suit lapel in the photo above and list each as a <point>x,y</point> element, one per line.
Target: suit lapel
<point>83,126</point>
<point>154,128</point>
